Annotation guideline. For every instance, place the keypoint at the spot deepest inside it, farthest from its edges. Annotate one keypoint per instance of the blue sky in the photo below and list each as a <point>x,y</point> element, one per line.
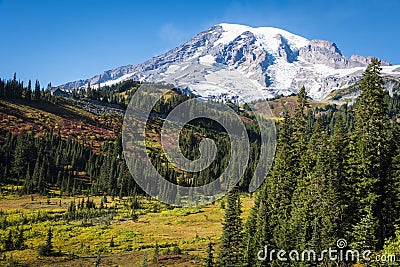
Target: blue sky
<point>58,41</point>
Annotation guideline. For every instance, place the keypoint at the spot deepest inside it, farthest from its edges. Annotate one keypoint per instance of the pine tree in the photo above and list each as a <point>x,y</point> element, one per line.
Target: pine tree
<point>49,240</point>
<point>317,213</point>
<point>144,263</point>
<point>281,183</point>
<point>251,237</point>
<point>303,220</point>
<point>209,261</point>
<point>268,224</point>
<point>19,243</point>
<point>2,92</point>
<point>88,91</point>
<point>300,133</point>
<point>22,154</point>
<point>371,151</point>
<point>156,251</point>
<point>41,179</point>
<point>9,244</point>
<point>231,247</point>
<point>392,189</point>
<point>98,260</point>
<point>364,233</point>
<point>28,183</point>
<point>37,90</point>
<point>28,95</point>
<point>339,152</point>
<point>47,248</point>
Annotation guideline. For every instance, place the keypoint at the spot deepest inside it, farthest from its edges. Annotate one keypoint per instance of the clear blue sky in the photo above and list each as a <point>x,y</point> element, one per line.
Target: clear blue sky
<point>58,41</point>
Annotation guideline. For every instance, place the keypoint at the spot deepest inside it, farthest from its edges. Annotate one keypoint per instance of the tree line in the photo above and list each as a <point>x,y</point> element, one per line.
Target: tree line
<point>336,175</point>
<point>15,89</point>
<point>40,164</point>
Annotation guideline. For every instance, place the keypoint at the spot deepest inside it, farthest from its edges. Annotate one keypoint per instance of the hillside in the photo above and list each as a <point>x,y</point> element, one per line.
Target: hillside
<point>63,177</point>
<point>60,140</point>
<point>64,116</point>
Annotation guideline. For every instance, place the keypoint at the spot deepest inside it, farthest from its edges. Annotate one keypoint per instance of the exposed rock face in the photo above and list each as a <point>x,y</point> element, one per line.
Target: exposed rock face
<point>245,54</point>
<point>279,61</point>
<point>284,50</point>
<point>327,53</point>
<point>360,61</point>
<point>323,52</point>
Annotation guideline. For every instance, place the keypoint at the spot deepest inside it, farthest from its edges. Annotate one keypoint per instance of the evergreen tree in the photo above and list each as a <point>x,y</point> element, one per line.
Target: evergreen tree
<point>22,155</point>
<point>318,210</point>
<point>231,247</point>
<point>37,90</point>
<point>304,214</point>
<point>2,89</point>
<point>47,248</point>
<point>268,224</point>
<point>98,260</point>
<point>209,261</point>
<point>9,244</point>
<point>49,240</point>
<point>144,263</point>
<point>28,183</point>
<point>371,151</point>
<point>156,251</point>
<point>88,91</point>
<point>281,182</point>
<point>338,152</point>
<point>300,133</point>
<point>28,95</point>
<point>392,207</point>
<point>19,243</point>
<point>251,238</point>
<point>364,233</point>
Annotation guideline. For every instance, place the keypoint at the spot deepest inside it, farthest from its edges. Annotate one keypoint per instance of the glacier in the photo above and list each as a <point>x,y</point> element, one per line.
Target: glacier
<point>258,62</point>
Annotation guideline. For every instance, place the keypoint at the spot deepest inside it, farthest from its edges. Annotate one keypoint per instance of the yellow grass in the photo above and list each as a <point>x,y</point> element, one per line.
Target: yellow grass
<point>190,229</point>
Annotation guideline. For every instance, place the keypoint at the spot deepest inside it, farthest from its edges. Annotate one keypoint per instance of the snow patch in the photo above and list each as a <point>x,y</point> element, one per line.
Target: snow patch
<point>265,35</point>
<point>172,69</point>
<point>207,60</point>
<point>111,82</point>
<point>394,69</point>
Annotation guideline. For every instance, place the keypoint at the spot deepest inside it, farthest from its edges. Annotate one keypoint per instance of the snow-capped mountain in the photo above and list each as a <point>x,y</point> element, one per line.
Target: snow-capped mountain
<point>234,61</point>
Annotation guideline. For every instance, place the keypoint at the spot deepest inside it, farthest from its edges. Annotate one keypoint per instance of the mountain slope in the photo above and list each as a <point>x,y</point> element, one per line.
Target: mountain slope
<point>232,61</point>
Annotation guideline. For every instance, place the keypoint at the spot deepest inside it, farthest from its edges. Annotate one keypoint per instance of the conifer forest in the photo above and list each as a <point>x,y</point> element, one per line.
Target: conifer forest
<point>67,195</point>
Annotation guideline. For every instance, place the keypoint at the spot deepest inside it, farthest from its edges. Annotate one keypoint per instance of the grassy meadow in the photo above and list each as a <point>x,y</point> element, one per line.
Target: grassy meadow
<point>182,234</point>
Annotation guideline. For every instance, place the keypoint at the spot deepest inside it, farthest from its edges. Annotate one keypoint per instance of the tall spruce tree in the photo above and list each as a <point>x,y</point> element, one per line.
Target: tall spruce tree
<point>28,95</point>
<point>268,223</point>
<point>231,247</point>
<point>37,90</point>
<point>251,237</point>
<point>281,183</point>
<point>317,209</point>
<point>304,221</point>
<point>392,207</point>
<point>371,154</point>
<point>24,152</point>
<point>209,261</point>
<point>338,152</point>
<point>300,127</point>
<point>264,233</point>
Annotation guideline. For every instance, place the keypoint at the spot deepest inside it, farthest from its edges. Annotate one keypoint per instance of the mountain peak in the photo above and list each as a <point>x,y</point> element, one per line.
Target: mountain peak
<point>275,61</point>
<point>266,35</point>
